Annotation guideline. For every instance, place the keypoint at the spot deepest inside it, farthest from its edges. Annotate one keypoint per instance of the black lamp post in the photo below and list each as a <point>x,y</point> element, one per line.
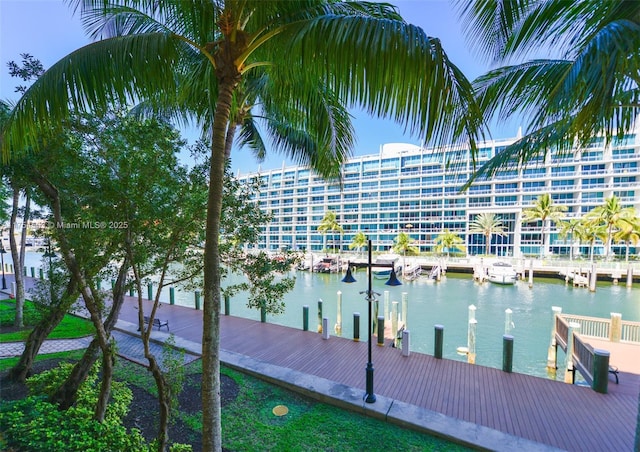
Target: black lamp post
<point>370,396</point>
<point>2,251</point>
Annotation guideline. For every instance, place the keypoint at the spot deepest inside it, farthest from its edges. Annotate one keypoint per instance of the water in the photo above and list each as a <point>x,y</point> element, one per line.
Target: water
<point>447,303</point>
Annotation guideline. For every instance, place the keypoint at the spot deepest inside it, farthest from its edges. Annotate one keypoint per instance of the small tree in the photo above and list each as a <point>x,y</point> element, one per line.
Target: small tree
<point>358,242</point>
<point>543,210</point>
<point>404,244</point>
<point>447,240</point>
<point>330,224</point>
<point>568,229</point>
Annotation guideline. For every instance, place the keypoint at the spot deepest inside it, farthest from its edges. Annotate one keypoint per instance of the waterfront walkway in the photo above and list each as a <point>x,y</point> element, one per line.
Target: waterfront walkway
<point>477,405</point>
<point>471,404</point>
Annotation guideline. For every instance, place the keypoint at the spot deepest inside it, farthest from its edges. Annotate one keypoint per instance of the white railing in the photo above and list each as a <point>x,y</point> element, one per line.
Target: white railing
<point>590,326</point>
<point>601,328</point>
<point>630,332</point>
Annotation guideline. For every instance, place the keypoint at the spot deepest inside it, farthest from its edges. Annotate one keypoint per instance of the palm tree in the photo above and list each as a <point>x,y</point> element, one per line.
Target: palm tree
<point>543,210</point>
<point>487,224</point>
<point>589,232</point>
<point>195,58</point>
<point>588,85</point>
<point>612,215</point>
<point>448,240</point>
<point>329,223</point>
<point>568,230</point>
<point>359,241</point>
<point>404,244</point>
<point>629,232</point>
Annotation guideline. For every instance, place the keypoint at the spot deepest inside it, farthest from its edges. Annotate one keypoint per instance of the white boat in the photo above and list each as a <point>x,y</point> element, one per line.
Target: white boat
<point>412,272</point>
<point>385,272</point>
<point>502,273</point>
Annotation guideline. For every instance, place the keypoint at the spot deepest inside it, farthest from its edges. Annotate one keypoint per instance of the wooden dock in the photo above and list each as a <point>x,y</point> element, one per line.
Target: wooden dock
<point>560,415</point>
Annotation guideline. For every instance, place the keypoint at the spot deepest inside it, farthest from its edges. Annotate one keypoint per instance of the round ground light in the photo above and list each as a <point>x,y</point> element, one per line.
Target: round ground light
<point>280,410</point>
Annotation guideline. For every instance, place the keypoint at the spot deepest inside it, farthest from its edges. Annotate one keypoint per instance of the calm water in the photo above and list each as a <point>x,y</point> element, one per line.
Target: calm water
<point>447,303</point>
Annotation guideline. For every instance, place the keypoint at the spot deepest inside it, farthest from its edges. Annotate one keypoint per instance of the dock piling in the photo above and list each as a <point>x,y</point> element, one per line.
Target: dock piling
<point>439,341</point>
<point>305,318</point>
<point>380,334</point>
<point>338,327</point>
<point>405,342</point>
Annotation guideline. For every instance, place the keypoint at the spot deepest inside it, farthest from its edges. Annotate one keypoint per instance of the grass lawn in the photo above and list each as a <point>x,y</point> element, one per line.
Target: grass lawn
<point>248,420</point>
<point>70,327</point>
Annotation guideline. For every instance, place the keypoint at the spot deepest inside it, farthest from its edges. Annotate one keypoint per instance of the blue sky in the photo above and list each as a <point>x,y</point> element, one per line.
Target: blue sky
<point>47,30</point>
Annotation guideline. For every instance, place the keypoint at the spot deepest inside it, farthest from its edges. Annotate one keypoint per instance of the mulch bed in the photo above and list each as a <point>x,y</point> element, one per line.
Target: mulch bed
<point>143,412</point>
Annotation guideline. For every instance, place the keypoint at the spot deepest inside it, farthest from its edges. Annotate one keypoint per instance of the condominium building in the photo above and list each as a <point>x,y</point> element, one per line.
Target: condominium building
<point>407,188</point>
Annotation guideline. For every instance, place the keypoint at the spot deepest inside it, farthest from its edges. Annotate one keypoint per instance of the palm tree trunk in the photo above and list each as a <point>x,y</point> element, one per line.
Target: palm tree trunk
<point>487,239</point>
<point>211,411</point>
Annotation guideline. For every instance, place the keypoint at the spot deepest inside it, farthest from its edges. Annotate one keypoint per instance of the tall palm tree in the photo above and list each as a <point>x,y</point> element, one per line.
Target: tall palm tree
<point>487,224</point>
<point>448,240</point>
<point>543,210</point>
<point>612,215</point>
<point>587,86</point>
<point>568,230</point>
<point>329,223</point>
<point>359,241</point>
<point>195,57</point>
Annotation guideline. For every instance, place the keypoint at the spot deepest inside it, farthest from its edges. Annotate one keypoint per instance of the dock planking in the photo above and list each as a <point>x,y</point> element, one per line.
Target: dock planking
<point>564,416</point>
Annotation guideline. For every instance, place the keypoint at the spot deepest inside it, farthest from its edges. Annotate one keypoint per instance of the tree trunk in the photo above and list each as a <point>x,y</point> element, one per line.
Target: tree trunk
<point>91,300</point>
<point>65,396</point>
<point>211,411</point>
<point>41,331</point>
<point>17,255</point>
<point>164,399</point>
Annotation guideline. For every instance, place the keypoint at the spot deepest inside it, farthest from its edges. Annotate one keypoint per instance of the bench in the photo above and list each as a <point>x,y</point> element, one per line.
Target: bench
<point>614,370</point>
<point>157,322</point>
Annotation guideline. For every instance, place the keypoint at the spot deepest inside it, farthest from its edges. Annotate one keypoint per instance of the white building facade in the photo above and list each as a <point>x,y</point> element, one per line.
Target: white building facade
<point>405,188</point>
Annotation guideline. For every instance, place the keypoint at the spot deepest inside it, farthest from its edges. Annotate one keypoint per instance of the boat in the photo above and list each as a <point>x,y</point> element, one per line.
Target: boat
<point>327,265</point>
<point>502,273</point>
<point>385,272</point>
<point>412,272</point>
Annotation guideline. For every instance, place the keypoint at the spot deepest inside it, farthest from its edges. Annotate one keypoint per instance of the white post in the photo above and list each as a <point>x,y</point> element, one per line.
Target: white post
<point>629,276</point>
<point>405,343</point>
<point>615,328</point>
<point>551,354</point>
<point>471,341</point>
<point>394,322</point>
<point>531,273</point>
<point>339,315</point>
<point>593,278</point>
<point>472,312</point>
<point>405,307</point>
<point>569,374</point>
<point>14,289</point>
<point>508,322</point>
<point>386,305</point>
<point>325,328</point>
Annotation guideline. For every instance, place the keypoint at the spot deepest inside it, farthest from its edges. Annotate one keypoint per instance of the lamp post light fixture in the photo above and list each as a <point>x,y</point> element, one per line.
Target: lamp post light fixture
<point>370,396</point>
<point>2,253</point>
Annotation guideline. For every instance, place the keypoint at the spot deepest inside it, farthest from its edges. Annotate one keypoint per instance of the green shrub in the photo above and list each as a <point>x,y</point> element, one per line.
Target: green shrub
<point>34,423</point>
